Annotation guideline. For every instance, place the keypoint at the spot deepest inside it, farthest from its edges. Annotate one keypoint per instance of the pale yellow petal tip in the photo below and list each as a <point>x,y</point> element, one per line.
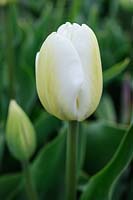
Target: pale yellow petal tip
<point>14,107</point>
<point>12,104</point>
<point>68,24</point>
<point>12,101</point>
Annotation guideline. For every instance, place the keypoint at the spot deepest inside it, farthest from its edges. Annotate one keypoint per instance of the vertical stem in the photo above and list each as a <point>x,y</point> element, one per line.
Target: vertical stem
<point>30,189</point>
<point>9,49</point>
<point>71,161</point>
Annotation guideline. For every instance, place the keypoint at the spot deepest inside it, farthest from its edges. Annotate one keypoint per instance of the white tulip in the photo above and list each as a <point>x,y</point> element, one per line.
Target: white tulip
<point>69,73</point>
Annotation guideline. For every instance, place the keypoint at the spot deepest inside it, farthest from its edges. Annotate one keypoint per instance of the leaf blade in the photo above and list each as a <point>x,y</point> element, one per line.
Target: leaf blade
<point>108,176</point>
<point>115,70</point>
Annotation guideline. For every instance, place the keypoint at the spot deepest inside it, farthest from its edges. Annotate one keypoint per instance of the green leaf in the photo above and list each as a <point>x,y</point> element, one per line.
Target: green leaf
<point>115,70</point>
<point>82,180</point>
<point>25,89</point>
<point>101,185</point>
<point>8,183</point>
<point>130,193</point>
<point>48,167</point>
<point>120,187</point>
<point>106,109</point>
<point>103,139</point>
<point>45,125</point>
<point>42,22</point>
<point>2,145</point>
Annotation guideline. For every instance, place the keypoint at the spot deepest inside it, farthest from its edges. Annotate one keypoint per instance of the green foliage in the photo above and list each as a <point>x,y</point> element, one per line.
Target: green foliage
<point>115,70</point>
<point>102,184</point>
<point>2,145</point>
<point>104,137</point>
<point>106,109</point>
<point>51,125</point>
<point>50,162</point>
<point>8,183</point>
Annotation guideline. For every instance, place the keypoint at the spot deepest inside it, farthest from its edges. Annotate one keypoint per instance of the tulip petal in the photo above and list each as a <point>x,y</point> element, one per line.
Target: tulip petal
<point>59,77</point>
<point>85,43</point>
<point>36,61</point>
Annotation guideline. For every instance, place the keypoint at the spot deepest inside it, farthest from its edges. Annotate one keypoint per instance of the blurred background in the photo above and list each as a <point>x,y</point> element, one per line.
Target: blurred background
<point>24,25</point>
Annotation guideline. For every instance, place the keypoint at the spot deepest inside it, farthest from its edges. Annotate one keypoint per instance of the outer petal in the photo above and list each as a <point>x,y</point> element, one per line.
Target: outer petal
<point>85,43</point>
<point>59,77</point>
<point>36,61</point>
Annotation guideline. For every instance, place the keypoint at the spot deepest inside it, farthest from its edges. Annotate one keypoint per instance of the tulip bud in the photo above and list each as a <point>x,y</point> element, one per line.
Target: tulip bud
<point>69,73</point>
<point>20,134</point>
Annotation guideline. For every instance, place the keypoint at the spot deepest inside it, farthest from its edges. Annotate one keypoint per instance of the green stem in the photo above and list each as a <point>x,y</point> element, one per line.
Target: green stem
<point>30,189</point>
<point>71,161</point>
<point>9,48</point>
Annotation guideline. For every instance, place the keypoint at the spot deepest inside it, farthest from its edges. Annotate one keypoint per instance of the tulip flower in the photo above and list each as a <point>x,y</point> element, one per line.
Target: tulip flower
<point>69,84</point>
<point>69,73</point>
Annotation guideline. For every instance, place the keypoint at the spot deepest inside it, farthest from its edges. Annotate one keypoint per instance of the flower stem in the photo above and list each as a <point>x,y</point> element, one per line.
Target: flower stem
<point>71,161</point>
<point>30,189</point>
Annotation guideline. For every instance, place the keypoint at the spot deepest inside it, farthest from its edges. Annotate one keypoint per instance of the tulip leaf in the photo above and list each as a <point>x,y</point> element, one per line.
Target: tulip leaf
<point>101,185</point>
<point>27,85</point>
<point>115,70</point>
<point>44,20</point>
<point>101,135</point>
<point>48,167</point>
<point>2,145</point>
<point>106,109</point>
<point>45,125</point>
<point>8,183</point>
<point>130,194</point>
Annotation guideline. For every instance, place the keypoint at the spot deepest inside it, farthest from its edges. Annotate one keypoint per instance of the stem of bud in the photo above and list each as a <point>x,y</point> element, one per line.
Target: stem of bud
<point>30,189</point>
